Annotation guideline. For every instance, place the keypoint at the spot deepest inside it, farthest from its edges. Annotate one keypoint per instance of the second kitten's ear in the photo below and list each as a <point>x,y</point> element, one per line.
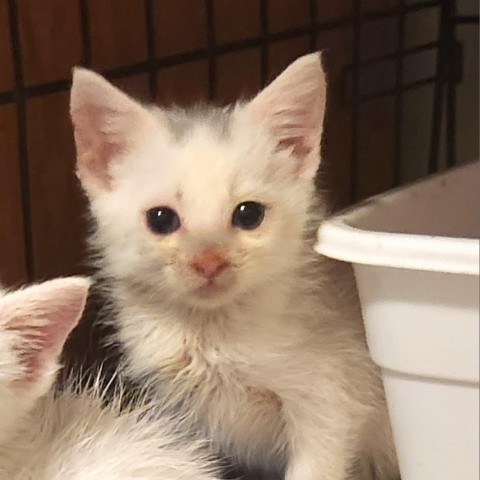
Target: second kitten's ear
<point>292,107</point>
<point>38,320</point>
<point>106,121</point>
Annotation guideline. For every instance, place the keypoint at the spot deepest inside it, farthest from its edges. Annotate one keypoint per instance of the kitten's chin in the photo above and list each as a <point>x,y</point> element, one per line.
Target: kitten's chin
<point>211,296</point>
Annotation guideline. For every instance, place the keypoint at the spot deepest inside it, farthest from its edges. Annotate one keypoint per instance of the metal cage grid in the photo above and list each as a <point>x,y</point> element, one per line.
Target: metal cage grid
<point>447,74</point>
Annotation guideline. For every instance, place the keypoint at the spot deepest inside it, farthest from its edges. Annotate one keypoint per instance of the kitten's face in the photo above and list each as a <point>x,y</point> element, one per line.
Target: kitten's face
<point>205,206</point>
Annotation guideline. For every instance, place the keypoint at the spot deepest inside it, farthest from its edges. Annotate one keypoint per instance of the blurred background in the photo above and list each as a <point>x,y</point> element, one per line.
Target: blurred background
<point>403,93</point>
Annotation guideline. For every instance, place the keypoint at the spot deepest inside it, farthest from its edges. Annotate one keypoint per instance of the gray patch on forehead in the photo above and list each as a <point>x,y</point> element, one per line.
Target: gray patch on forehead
<point>182,121</point>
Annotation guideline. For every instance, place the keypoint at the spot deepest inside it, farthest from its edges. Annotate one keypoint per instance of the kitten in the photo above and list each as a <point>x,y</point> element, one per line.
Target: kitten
<point>72,435</point>
<point>205,225</point>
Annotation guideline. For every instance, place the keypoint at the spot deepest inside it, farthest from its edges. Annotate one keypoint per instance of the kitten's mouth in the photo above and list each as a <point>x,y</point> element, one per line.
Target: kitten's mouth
<point>210,288</point>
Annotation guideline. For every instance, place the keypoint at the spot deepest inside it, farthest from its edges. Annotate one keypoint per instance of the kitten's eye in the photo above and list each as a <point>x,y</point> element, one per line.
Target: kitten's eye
<point>162,220</point>
<point>248,215</point>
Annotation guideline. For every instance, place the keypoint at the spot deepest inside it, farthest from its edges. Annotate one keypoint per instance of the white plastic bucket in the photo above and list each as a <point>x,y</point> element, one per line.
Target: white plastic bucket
<point>415,253</point>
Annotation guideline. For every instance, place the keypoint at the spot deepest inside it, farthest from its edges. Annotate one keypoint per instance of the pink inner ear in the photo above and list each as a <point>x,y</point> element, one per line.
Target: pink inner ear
<point>41,344</point>
<point>96,146</point>
<point>34,351</point>
<point>292,107</point>
<point>40,318</point>
<point>107,123</point>
<point>300,148</point>
<point>297,132</point>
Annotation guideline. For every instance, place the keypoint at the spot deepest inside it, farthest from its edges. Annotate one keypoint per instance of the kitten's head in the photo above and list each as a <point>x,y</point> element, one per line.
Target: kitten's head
<point>206,205</point>
<point>34,324</point>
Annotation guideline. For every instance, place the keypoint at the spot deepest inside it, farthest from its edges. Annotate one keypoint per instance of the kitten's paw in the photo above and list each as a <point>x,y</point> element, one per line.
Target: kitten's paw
<point>310,468</point>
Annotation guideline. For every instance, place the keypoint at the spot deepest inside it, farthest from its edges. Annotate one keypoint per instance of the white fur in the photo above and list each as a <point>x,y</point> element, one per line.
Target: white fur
<point>273,367</point>
<point>73,435</point>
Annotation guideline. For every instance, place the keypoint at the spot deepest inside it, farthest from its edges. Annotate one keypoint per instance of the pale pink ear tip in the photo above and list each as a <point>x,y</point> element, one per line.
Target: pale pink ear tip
<point>85,83</point>
<point>81,73</point>
<point>77,70</point>
<point>75,288</point>
<point>308,69</point>
<point>79,282</point>
<point>315,60</point>
<point>70,296</point>
<point>78,75</point>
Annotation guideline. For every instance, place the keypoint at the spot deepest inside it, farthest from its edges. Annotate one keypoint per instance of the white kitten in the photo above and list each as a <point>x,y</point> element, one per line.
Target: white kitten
<point>205,238</point>
<point>72,435</point>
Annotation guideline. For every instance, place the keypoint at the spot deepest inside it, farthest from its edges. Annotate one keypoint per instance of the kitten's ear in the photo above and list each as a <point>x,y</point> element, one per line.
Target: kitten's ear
<point>105,122</point>
<point>38,320</point>
<point>292,107</point>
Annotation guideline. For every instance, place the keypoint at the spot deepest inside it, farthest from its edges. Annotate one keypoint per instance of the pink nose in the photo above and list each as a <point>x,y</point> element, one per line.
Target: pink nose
<point>209,263</point>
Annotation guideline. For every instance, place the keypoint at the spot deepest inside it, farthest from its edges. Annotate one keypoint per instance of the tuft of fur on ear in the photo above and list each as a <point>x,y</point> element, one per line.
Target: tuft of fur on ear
<point>105,121</point>
<point>292,108</point>
<point>38,320</point>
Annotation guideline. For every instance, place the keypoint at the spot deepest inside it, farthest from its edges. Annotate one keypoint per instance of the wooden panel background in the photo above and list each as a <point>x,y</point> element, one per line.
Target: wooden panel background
<point>12,246</point>
<point>182,52</point>
<point>50,40</point>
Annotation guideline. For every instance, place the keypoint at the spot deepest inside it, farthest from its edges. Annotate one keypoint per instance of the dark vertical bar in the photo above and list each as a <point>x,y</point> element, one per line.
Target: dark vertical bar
<point>264,67</point>
<point>85,33</point>
<point>399,92</point>
<point>19,99</point>
<point>212,60</point>
<point>357,12</point>
<point>313,25</point>
<point>438,92</point>
<point>451,88</point>
<point>451,124</point>
<point>152,68</point>
<point>466,19</point>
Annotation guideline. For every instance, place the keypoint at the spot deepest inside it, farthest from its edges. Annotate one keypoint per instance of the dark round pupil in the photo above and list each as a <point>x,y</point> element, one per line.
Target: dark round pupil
<point>248,215</point>
<point>162,220</point>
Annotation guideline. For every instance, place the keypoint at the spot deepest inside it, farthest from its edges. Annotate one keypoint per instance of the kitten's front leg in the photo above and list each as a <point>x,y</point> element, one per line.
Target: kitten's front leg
<point>319,445</point>
<point>311,461</point>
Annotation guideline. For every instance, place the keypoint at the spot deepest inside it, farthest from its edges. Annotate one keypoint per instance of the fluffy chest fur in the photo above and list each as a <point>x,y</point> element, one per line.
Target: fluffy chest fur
<point>214,367</point>
<point>232,371</point>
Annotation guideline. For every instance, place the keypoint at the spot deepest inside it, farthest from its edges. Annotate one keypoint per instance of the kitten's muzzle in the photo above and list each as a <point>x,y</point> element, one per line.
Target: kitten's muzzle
<point>209,263</point>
